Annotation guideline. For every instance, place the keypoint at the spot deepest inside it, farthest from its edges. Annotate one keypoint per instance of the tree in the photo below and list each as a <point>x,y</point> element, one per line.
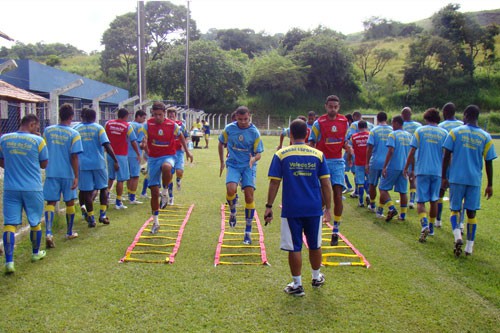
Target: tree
<point>330,64</point>
<point>217,76</point>
<point>245,40</point>
<point>366,54</point>
<point>120,47</point>
<point>165,24</point>
<point>293,37</point>
<point>272,72</point>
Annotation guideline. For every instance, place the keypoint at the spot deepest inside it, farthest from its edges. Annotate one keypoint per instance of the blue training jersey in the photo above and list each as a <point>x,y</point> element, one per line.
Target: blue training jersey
<point>300,167</point>
<point>469,145</point>
<point>62,141</point>
<point>378,140</point>
<point>411,126</point>
<point>22,153</point>
<point>140,133</point>
<point>448,125</point>
<point>241,144</point>
<point>400,141</point>
<point>428,141</point>
<point>93,139</point>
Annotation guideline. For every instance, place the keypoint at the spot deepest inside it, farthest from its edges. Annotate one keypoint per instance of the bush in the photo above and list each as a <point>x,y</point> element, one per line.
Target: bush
<point>493,125</point>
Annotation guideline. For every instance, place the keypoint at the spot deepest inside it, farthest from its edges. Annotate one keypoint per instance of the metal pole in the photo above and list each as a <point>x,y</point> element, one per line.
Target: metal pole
<point>141,52</point>
<point>187,59</point>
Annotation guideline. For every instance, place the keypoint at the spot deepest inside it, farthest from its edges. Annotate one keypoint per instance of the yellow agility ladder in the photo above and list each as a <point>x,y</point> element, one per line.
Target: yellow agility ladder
<point>173,220</point>
<point>230,245</point>
<point>341,255</point>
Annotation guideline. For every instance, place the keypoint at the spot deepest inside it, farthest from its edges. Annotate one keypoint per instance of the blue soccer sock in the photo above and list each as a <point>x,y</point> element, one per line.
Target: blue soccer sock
<point>361,193</point>
<point>423,220</point>
<point>404,210</point>
<point>454,220</point>
<point>145,186</point>
<point>49,218</point>
<point>70,219</point>
<point>36,238</point>
<point>131,195</point>
<point>440,209</point>
<point>249,214</point>
<point>390,204</point>
<point>413,193</point>
<point>471,229</point>
<point>9,240</point>
<point>102,210</point>
<point>231,201</point>
<point>118,201</point>
<point>347,182</point>
<point>336,223</point>
<point>171,190</point>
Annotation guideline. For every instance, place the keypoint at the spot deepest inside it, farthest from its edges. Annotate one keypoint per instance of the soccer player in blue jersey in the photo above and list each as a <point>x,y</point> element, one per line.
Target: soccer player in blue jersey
<point>303,170</point>
<point>427,142</point>
<point>93,173</point>
<point>22,155</point>
<point>178,169</point>
<point>410,126</point>
<point>206,132</point>
<point>398,146</point>
<point>244,145</point>
<point>64,145</point>
<point>465,148</point>
<point>134,164</point>
<point>376,152</point>
<point>449,123</point>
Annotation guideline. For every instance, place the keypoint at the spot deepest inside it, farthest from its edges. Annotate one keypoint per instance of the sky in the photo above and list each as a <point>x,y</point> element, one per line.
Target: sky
<point>82,22</point>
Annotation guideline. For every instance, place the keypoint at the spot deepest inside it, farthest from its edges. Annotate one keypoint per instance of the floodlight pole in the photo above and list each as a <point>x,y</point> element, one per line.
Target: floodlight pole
<point>186,99</point>
<point>141,52</point>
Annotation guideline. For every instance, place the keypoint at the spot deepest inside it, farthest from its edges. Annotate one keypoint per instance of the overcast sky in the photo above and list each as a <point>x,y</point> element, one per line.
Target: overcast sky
<point>82,22</point>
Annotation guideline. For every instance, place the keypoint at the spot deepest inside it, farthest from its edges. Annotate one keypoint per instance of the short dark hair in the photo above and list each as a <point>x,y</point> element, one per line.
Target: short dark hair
<point>356,115</point>
<point>29,118</point>
<point>302,118</point>
<point>66,111</point>
<point>140,113</point>
<point>431,115</point>
<point>298,129</point>
<point>333,98</point>
<point>397,119</point>
<point>381,116</point>
<point>311,114</point>
<point>122,113</point>
<point>362,124</point>
<point>158,106</point>
<point>349,117</point>
<point>472,112</point>
<point>406,113</point>
<point>242,110</point>
<point>449,110</point>
<point>88,115</point>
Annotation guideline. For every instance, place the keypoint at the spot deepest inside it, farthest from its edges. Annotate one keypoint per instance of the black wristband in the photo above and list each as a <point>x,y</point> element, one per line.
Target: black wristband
<point>269,206</point>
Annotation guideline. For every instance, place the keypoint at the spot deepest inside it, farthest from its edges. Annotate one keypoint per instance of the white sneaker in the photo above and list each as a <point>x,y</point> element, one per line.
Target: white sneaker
<point>135,202</point>
<point>122,206</point>
<point>411,205</point>
<point>145,196</point>
<point>164,201</point>
<point>171,201</point>
<point>371,209</point>
<point>380,216</point>
<point>155,228</point>
<point>438,224</point>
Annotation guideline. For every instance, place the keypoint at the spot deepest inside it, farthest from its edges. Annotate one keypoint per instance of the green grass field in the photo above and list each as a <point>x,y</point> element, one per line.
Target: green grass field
<point>410,287</point>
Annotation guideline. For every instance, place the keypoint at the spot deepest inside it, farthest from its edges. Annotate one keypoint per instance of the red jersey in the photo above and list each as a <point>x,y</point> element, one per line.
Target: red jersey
<point>118,132</point>
<point>330,136</point>
<point>161,137</point>
<point>359,141</point>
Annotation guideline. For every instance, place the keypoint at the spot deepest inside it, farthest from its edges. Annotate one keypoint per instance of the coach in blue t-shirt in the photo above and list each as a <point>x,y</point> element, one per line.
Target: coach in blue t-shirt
<point>303,170</point>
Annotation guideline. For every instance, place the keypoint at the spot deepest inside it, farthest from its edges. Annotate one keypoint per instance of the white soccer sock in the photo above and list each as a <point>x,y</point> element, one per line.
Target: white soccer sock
<point>297,281</point>
<point>457,234</point>
<point>468,246</point>
<point>315,274</point>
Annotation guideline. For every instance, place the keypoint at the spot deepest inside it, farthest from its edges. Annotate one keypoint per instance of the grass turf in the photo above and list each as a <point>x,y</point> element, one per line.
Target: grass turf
<point>80,286</point>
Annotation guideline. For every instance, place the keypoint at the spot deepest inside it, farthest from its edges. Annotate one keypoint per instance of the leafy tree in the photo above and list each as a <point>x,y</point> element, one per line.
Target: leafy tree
<point>53,61</point>
<point>330,65</point>
<point>245,40</point>
<point>377,28</point>
<point>367,55</point>
<point>293,37</point>
<point>166,24</point>
<point>272,72</point>
<point>216,76</point>
<point>120,48</point>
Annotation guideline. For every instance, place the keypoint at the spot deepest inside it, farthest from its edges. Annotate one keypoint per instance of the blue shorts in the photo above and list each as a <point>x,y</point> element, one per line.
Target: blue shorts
<point>54,187</point>
<point>121,175</point>
<point>428,188</point>
<point>471,196</point>
<point>336,167</point>
<point>291,232</point>
<point>359,175</point>
<point>154,168</point>
<point>179,160</point>
<point>15,201</point>
<point>394,179</point>
<point>134,167</point>
<point>90,180</point>
<point>243,175</point>
<point>374,176</point>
